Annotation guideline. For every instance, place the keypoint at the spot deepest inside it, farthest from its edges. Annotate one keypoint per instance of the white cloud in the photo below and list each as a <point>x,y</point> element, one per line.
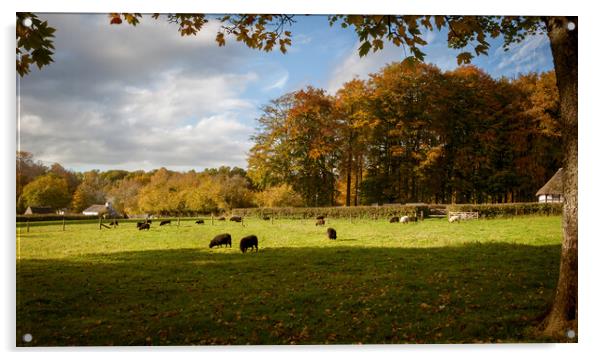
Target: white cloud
<point>279,83</point>
<point>355,66</point>
<point>144,97</point>
<point>529,55</point>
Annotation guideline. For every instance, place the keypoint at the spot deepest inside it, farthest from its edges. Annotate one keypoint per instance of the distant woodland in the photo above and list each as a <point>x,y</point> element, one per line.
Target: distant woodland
<point>409,133</point>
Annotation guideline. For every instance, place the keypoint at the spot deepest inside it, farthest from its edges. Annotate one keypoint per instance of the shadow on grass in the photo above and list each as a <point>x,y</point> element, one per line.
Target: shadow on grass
<point>338,295</point>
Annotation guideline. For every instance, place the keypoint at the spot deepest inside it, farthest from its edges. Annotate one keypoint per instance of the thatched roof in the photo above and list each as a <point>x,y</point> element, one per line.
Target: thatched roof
<point>553,186</point>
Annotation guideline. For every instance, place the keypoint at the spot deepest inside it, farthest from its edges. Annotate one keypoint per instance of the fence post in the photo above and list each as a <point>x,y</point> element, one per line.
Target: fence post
<point>211,218</point>
<point>99,223</point>
<point>63,222</point>
<point>178,221</point>
<point>27,225</point>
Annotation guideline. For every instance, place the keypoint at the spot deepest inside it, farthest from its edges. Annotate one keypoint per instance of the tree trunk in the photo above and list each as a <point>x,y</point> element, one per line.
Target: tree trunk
<point>349,163</point>
<point>563,313</point>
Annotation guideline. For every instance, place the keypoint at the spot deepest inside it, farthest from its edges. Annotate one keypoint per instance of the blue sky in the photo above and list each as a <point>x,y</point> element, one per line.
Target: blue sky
<point>119,97</point>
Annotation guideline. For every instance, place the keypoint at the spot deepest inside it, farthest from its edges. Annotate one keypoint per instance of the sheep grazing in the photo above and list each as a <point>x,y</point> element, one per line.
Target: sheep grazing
<point>320,222</point>
<point>148,221</point>
<point>332,233</point>
<point>165,222</point>
<point>248,242</point>
<point>221,239</point>
<point>140,223</point>
<point>394,219</point>
<point>454,218</point>
<point>144,226</point>
<point>236,218</point>
<point>404,219</point>
<point>321,217</point>
<point>199,222</point>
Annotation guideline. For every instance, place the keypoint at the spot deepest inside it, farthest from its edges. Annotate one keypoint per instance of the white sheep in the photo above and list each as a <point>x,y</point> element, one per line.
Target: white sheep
<point>454,218</point>
<point>404,219</point>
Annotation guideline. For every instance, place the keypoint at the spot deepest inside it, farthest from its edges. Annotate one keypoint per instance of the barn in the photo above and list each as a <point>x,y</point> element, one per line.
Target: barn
<point>552,192</point>
<point>97,210</point>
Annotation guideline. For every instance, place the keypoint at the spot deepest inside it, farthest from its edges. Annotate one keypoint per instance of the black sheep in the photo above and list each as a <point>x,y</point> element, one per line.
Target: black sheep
<point>320,222</point>
<point>221,239</point>
<point>140,223</point>
<point>248,242</point>
<point>199,222</point>
<point>236,218</point>
<point>144,226</point>
<point>394,219</point>
<point>332,233</point>
<point>321,217</point>
<point>165,222</point>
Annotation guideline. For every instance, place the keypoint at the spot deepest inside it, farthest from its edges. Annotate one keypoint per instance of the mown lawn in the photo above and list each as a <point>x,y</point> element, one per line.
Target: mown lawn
<point>378,283</point>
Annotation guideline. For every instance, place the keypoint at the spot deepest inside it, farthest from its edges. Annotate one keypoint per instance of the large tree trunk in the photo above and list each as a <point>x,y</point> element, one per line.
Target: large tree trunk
<point>563,313</point>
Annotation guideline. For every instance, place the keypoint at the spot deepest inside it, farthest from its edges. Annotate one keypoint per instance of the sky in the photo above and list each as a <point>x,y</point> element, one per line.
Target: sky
<point>144,97</point>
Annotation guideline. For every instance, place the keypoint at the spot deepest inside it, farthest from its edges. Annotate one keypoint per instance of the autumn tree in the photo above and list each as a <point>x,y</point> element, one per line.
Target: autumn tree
<point>355,123</point>
<point>92,190</point>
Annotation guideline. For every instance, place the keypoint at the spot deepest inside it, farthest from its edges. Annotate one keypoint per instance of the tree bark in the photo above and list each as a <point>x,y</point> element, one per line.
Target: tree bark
<point>563,313</point>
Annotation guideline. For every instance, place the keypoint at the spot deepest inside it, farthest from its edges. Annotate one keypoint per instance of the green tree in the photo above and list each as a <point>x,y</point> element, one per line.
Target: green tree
<point>47,190</point>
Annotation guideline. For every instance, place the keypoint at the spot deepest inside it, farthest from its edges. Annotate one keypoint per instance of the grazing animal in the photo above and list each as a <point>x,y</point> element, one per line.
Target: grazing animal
<point>321,217</point>
<point>266,218</point>
<point>248,242</point>
<point>144,226</point>
<point>394,219</point>
<point>404,219</point>
<point>221,218</point>
<point>236,218</point>
<point>165,222</point>
<point>140,223</point>
<point>221,239</point>
<point>332,233</point>
<point>454,218</point>
<point>199,222</point>
<point>149,221</point>
<point>320,222</point>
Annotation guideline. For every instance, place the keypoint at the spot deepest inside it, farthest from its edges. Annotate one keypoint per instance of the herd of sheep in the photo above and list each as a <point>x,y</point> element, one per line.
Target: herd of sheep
<point>251,241</point>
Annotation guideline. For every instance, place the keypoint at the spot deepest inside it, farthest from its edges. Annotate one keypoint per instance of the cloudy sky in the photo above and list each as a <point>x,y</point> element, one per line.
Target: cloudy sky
<point>119,97</point>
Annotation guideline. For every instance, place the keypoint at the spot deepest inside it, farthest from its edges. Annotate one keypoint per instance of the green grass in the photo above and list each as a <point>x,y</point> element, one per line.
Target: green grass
<point>430,282</point>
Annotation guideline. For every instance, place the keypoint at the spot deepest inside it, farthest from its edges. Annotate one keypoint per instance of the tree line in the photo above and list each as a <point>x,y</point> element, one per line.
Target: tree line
<point>160,191</point>
<point>409,133</point>
<point>412,133</point>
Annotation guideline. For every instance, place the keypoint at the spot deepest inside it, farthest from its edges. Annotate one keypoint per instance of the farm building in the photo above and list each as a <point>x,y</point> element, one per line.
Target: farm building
<point>106,209</point>
<point>552,190</point>
<point>31,210</point>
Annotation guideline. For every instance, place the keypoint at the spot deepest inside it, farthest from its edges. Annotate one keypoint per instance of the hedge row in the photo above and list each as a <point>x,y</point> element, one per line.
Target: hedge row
<point>507,210</point>
<point>53,217</point>
<point>379,212</point>
<point>367,212</point>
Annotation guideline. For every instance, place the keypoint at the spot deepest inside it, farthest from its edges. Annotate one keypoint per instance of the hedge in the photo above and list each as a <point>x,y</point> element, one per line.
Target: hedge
<point>367,212</point>
<point>507,210</point>
<point>54,217</point>
<point>379,212</point>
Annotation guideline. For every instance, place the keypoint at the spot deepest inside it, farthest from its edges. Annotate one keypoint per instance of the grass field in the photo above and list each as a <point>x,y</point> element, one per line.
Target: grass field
<point>379,283</point>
